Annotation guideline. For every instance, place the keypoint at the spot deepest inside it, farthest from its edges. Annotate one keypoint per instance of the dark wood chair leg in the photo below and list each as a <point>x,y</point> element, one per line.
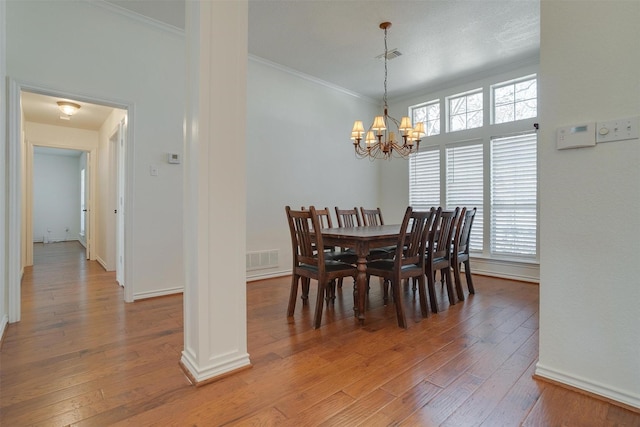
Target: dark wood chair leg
<point>317,318</point>
<point>431,285</point>
<point>293,295</point>
<point>458,281</point>
<point>306,283</point>
<point>422,294</point>
<point>385,291</point>
<point>395,287</point>
<point>446,279</point>
<point>467,273</point>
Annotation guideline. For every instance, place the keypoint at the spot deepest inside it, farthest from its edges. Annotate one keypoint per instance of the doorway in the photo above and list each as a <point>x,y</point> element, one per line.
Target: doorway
<point>26,131</point>
<point>60,197</point>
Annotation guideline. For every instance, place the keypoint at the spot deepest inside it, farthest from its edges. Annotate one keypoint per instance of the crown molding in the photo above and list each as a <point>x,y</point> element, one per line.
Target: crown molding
<point>136,16</point>
<point>310,78</point>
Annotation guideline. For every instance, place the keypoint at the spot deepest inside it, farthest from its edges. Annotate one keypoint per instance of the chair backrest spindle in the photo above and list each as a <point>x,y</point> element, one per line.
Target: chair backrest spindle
<point>371,216</point>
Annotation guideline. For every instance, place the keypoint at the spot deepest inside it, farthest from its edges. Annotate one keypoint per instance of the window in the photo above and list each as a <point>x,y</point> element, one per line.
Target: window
<point>465,111</point>
<point>424,177</point>
<point>493,169</point>
<point>464,185</point>
<point>514,195</point>
<point>429,114</point>
<point>515,100</point>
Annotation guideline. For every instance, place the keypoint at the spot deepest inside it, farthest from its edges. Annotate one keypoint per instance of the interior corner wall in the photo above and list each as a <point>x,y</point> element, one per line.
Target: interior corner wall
<point>116,57</point>
<point>589,200</point>
<point>299,154</point>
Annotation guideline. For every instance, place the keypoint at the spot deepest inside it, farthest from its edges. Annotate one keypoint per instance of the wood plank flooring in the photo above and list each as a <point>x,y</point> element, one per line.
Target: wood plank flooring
<point>81,356</point>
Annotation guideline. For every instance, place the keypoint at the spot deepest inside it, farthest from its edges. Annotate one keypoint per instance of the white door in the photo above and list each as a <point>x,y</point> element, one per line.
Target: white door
<point>85,202</point>
<point>120,150</point>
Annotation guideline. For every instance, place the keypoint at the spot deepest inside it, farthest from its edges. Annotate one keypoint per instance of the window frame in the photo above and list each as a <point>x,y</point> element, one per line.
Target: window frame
<point>466,95</point>
<point>427,121</point>
<point>504,84</point>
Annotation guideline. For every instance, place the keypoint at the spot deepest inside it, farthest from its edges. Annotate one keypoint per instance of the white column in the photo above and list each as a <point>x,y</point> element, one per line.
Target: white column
<point>4,282</point>
<point>215,330</point>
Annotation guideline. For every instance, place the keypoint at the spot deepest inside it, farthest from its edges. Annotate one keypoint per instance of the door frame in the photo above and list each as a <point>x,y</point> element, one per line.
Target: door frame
<point>27,214</point>
<point>15,165</point>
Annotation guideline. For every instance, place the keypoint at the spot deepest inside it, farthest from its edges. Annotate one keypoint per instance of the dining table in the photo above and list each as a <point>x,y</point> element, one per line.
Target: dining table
<point>361,240</point>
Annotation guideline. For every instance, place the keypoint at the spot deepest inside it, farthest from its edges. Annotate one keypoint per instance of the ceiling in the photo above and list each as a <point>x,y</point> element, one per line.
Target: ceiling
<point>337,41</point>
<point>43,109</point>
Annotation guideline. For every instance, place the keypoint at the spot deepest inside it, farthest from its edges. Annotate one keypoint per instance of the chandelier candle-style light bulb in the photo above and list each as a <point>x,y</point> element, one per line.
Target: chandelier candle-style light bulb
<point>380,143</point>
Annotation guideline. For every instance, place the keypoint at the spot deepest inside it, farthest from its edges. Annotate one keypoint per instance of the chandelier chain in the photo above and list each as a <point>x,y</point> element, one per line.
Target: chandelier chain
<point>385,69</point>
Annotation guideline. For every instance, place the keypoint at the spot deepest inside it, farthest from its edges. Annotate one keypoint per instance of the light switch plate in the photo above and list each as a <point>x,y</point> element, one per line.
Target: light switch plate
<point>617,130</point>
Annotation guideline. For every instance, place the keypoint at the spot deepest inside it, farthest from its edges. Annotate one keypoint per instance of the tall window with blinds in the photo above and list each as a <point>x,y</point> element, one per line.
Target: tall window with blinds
<point>424,180</point>
<point>490,166</point>
<point>464,185</point>
<point>514,195</point>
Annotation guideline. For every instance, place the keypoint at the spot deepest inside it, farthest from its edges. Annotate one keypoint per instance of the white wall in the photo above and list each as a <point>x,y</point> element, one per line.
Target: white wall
<point>4,289</point>
<point>56,197</point>
<point>299,154</point>
<point>82,48</point>
<point>589,200</point>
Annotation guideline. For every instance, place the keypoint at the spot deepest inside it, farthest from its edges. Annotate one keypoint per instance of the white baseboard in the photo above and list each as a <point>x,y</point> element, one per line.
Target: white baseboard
<point>56,241</point>
<point>102,263</point>
<point>160,293</point>
<point>609,393</point>
<point>270,275</point>
<point>4,321</point>
<point>514,270</point>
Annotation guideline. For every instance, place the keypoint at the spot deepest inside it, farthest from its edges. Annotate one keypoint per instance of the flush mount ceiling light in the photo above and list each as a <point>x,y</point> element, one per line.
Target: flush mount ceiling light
<point>68,108</point>
<point>378,143</point>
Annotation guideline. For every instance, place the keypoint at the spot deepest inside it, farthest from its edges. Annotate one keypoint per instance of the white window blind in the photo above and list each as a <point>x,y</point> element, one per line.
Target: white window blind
<point>424,180</point>
<point>464,185</point>
<point>514,195</point>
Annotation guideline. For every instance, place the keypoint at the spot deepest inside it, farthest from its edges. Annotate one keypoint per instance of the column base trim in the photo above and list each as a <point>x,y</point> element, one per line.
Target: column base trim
<point>213,373</point>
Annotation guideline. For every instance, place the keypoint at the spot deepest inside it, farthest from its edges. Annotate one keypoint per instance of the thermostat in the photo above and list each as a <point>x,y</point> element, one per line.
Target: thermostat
<point>576,136</point>
<point>173,158</point>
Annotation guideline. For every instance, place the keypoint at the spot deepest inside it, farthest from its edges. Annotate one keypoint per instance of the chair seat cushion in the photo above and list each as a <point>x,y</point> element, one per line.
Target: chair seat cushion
<point>386,265</point>
<point>330,265</point>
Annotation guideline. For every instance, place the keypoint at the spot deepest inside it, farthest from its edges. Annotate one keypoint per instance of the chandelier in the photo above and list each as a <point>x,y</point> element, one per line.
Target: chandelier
<point>380,143</point>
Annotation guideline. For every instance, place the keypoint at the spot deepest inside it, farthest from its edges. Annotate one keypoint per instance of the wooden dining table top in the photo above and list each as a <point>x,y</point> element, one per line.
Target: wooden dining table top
<point>371,233</point>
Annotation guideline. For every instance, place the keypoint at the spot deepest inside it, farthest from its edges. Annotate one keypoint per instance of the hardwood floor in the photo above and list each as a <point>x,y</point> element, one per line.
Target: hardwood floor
<point>81,356</point>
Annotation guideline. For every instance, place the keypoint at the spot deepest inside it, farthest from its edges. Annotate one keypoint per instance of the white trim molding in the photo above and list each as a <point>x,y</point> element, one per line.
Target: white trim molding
<point>506,269</point>
<point>607,392</point>
<point>160,293</point>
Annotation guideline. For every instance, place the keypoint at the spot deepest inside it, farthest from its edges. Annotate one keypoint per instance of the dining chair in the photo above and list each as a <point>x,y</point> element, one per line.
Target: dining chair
<point>310,264</point>
<point>409,260</point>
<point>460,251</point>
<point>438,254</point>
<point>351,218</point>
<point>324,220</point>
<point>348,217</point>
<point>371,216</point>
